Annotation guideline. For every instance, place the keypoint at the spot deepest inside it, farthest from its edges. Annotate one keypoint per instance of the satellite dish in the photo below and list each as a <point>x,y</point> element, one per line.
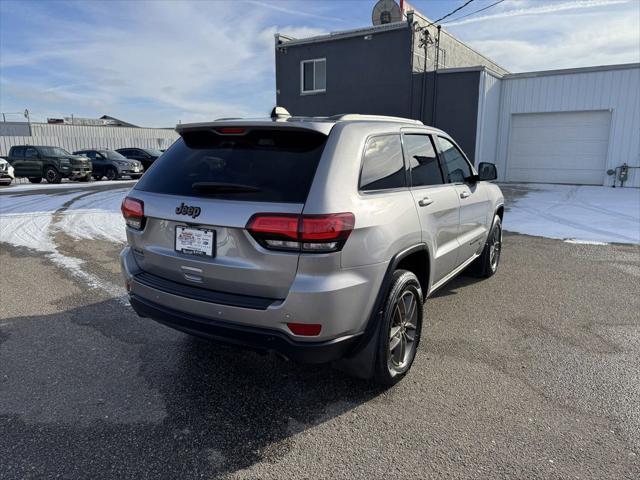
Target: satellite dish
<point>386,11</point>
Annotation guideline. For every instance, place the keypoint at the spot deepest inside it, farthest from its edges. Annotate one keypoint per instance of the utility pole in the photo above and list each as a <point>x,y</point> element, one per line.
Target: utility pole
<point>425,40</point>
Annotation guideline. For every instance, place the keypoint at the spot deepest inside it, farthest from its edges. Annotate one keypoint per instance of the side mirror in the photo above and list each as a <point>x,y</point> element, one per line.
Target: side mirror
<point>487,171</point>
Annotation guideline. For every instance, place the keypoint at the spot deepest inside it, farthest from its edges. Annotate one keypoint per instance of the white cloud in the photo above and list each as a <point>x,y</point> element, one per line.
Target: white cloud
<point>527,9</point>
<point>192,61</point>
<point>588,33</point>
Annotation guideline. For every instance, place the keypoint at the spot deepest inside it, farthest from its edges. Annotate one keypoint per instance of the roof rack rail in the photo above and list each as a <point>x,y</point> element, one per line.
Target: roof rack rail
<point>223,119</point>
<point>380,118</point>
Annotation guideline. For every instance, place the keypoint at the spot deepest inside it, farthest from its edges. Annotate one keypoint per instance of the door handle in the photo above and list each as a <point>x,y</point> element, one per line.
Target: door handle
<point>425,201</point>
<point>465,194</point>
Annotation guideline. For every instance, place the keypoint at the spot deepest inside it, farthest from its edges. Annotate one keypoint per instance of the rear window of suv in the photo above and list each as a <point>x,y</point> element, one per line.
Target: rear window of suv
<point>260,165</point>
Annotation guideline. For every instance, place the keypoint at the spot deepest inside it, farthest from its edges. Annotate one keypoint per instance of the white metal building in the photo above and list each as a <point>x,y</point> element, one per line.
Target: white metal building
<point>561,126</point>
<point>78,137</point>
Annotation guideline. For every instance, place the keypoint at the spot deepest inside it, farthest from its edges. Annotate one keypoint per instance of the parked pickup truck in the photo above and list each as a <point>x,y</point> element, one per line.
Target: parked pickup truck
<point>51,163</point>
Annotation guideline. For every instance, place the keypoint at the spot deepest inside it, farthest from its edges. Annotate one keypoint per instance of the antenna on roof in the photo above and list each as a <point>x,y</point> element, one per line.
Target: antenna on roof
<point>279,112</point>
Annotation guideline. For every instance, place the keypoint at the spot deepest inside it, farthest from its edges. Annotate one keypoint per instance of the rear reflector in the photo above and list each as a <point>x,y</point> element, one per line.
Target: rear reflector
<point>306,233</point>
<point>133,213</point>
<point>305,329</point>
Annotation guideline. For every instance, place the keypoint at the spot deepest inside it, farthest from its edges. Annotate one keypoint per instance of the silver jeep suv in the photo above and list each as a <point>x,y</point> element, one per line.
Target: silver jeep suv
<point>315,238</point>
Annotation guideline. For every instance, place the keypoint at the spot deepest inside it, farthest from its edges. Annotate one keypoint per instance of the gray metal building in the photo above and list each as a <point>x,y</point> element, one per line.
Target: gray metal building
<point>564,126</point>
<point>78,137</point>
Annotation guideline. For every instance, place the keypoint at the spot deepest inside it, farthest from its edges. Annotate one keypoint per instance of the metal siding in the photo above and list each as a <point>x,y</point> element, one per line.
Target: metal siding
<point>615,90</point>
<point>487,131</point>
<point>362,76</point>
<point>78,137</point>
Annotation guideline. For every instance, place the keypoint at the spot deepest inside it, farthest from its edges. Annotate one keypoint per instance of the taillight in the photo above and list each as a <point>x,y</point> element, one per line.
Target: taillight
<point>133,213</point>
<point>301,233</point>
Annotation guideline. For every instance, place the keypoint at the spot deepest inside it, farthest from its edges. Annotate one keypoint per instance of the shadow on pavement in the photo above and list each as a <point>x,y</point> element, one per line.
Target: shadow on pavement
<point>96,392</point>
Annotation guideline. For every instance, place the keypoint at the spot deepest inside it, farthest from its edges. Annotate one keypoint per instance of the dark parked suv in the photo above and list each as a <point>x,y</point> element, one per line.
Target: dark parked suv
<point>111,164</point>
<point>145,155</point>
<point>51,163</point>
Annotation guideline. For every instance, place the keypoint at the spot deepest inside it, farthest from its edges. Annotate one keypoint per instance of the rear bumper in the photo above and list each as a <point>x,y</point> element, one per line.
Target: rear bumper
<point>340,301</point>
<point>245,336</point>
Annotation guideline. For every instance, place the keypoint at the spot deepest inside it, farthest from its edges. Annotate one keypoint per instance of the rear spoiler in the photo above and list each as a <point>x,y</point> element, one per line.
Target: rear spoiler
<point>294,124</point>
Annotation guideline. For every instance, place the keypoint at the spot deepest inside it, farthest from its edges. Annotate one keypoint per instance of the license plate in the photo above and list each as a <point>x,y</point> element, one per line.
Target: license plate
<point>195,241</point>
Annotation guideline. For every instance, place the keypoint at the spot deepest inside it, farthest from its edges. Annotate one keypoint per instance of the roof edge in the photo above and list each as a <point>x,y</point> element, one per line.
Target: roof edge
<point>286,41</point>
<point>569,71</point>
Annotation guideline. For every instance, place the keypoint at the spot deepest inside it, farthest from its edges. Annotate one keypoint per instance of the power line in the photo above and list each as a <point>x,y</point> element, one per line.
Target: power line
<point>451,12</point>
<point>473,13</point>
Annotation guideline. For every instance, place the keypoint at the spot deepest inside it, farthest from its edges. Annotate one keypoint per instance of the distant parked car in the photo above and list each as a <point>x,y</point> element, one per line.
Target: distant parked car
<point>111,164</point>
<point>51,163</point>
<point>146,155</point>
<point>6,172</point>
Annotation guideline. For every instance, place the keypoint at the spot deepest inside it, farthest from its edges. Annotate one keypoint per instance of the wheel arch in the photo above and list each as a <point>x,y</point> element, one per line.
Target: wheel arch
<point>359,361</point>
<point>408,259</point>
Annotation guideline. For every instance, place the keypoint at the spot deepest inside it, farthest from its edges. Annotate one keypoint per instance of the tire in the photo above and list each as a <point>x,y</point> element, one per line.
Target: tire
<point>112,174</point>
<point>487,263</point>
<point>97,177</point>
<point>401,324</point>
<point>35,179</point>
<point>52,175</point>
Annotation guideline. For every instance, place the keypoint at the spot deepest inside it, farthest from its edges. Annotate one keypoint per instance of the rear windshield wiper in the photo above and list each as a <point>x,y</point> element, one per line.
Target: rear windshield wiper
<point>219,187</point>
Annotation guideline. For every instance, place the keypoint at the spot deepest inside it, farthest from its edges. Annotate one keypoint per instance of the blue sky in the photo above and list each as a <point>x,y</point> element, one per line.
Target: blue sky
<point>159,62</point>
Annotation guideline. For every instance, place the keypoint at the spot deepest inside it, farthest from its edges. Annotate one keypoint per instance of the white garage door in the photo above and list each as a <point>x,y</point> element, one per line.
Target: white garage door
<point>563,147</point>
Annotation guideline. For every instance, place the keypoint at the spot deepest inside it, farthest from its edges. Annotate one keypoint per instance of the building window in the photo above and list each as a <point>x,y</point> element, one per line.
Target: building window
<point>313,75</point>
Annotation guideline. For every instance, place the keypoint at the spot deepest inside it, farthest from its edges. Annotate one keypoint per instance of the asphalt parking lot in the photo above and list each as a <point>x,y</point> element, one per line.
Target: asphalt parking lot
<point>533,373</point>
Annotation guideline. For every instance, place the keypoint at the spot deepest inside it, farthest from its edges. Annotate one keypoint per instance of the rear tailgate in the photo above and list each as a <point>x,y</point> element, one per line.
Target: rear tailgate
<point>213,183</point>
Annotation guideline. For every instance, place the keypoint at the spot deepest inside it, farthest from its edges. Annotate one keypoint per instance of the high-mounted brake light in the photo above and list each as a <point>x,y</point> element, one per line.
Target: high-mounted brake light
<point>133,212</point>
<point>306,233</point>
<point>231,130</point>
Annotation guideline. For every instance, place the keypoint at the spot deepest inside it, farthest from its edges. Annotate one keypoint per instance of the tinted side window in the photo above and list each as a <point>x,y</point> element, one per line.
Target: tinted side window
<point>17,152</point>
<point>124,151</point>
<point>422,159</point>
<point>456,168</point>
<point>31,153</point>
<point>382,164</point>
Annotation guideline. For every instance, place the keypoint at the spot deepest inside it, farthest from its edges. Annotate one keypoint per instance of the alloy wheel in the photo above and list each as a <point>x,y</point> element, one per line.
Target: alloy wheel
<point>495,246</point>
<point>402,334</point>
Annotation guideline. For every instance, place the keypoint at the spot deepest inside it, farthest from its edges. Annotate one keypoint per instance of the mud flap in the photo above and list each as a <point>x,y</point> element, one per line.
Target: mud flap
<point>361,363</point>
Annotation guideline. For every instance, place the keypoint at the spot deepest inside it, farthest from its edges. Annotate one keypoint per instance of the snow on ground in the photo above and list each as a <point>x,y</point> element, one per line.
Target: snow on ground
<point>32,221</point>
<point>579,214</point>
<point>25,220</point>
<point>95,216</point>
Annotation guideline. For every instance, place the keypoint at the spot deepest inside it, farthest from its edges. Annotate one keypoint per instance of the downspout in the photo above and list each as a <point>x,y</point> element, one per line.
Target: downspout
<point>435,81</point>
<point>412,32</point>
